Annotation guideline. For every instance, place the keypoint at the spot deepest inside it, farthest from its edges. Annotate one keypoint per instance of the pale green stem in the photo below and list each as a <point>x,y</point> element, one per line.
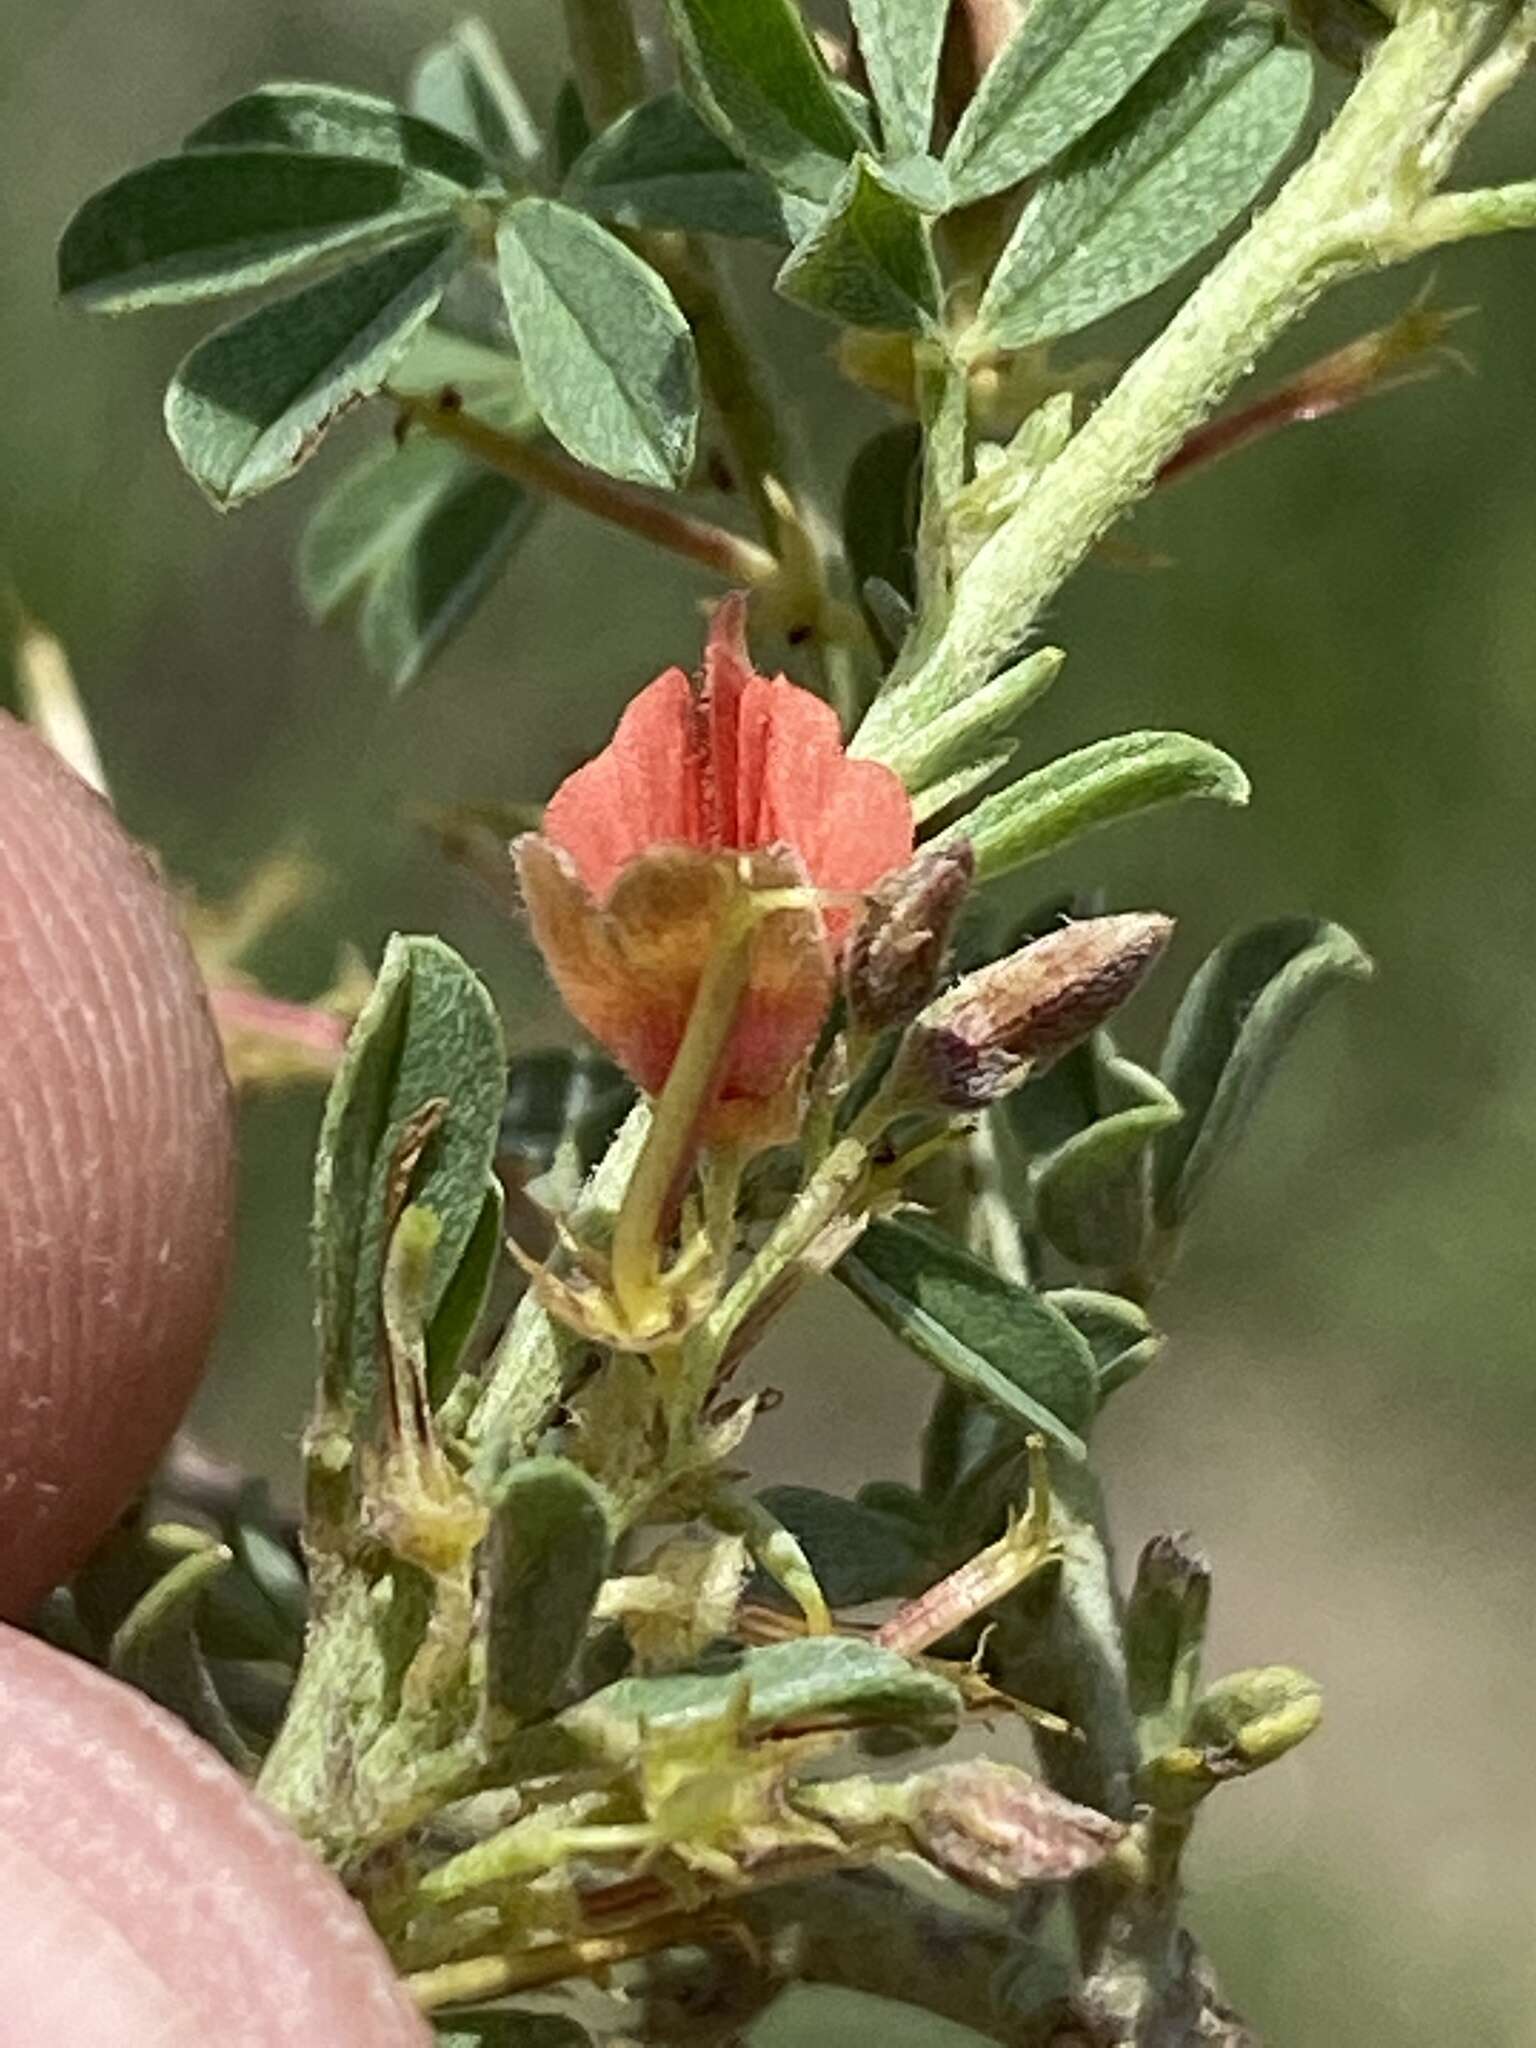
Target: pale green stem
<point>1457,216</point>
<point>1335,218</point>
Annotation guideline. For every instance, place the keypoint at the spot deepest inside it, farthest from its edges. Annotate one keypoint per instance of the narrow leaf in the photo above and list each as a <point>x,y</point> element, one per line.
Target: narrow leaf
<point>900,41</point>
<point>753,70</point>
<point>868,262</point>
<point>549,1550</point>
<point>856,1552</point>
<point>324,120</point>
<point>1152,185</point>
<point>1238,1016</point>
<point>1068,63</point>
<point>156,1649</point>
<point>607,355</point>
<point>459,1312</point>
<point>219,221</point>
<point>463,85</point>
<point>1000,1342</point>
<point>662,166</point>
<point>251,403</point>
<point>1096,786</point>
<point>1093,1194</point>
<point>1118,1332</point>
<point>428,1033</point>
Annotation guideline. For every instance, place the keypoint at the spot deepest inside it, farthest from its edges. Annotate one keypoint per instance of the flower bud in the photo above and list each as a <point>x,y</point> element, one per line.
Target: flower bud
<point>1165,1630</point>
<point>1006,1021</point>
<point>898,951</point>
<point>996,1829</point>
<point>1252,1717</point>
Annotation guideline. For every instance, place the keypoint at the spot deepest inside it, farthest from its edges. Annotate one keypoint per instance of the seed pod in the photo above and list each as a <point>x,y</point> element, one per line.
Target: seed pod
<point>1011,1019</point>
<point>898,951</point>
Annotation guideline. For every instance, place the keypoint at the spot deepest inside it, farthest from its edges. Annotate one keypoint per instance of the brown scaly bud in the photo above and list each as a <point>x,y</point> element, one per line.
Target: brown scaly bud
<point>996,1829</point>
<point>1006,1021</point>
<point>898,951</point>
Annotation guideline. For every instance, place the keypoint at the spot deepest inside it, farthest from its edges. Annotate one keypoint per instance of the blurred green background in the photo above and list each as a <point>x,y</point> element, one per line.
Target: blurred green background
<point>1348,1416</point>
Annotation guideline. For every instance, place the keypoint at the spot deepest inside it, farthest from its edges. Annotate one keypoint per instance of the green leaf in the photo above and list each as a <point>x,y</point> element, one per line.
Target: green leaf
<point>608,357</point>
<point>1118,1332</point>
<point>1238,1016</point>
<point>570,132</point>
<point>900,41</point>
<point>816,1679</point>
<point>219,221</point>
<point>856,1552</point>
<point>252,402</point>
<point>1153,184</point>
<point>1096,786</point>
<point>1093,1195</point>
<point>428,1033</point>
<point>504,2029</point>
<point>459,1312</point>
<point>1068,63</point>
<point>463,85</point>
<point>323,120</point>
<point>662,166</point>
<point>869,261</point>
<point>753,70</point>
<point>1000,1342</point>
<point>880,501</point>
<point>549,1550</point>
<point>156,1649</point>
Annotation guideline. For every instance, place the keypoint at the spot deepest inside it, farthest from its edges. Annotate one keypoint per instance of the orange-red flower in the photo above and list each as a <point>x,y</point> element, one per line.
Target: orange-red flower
<point>710,791</point>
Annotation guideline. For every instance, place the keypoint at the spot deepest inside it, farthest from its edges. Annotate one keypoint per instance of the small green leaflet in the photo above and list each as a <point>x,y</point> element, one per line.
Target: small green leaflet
<point>1118,1333</point>
<point>1152,185</point>
<point>252,402</point>
<point>548,1553</point>
<point>1238,1016</point>
<point>1093,1193</point>
<point>755,75</point>
<point>462,84</point>
<point>999,1342</point>
<point>857,1552</point>
<point>607,356</point>
<point>1069,63</point>
<point>1096,786</point>
<point>661,166</point>
<point>324,120</point>
<point>900,41</point>
<point>868,262</point>
<point>218,221</point>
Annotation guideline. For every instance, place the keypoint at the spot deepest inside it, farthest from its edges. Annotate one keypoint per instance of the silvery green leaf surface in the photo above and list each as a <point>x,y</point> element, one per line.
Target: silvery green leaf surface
<point>996,1340</point>
<point>1238,1016</point>
<point>662,166</point>
<point>428,1033</point>
<point>1096,786</point>
<point>899,42</point>
<point>607,356</point>
<point>1152,185</point>
<point>218,221</point>
<point>755,75</point>
<point>1068,63</point>
<point>252,402</point>
<point>868,261</point>
<point>462,84</point>
<point>325,120</point>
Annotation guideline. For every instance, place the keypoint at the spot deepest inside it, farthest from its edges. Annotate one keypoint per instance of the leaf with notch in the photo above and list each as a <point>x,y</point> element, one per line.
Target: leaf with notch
<point>462,84</point>
<point>1000,1342</point>
<point>1096,786</point>
<point>1069,63</point>
<point>1238,1016</point>
<point>1093,1194</point>
<point>428,1033</point>
<point>219,221</point>
<point>325,120</point>
<point>900,41</point>
<point>252,402</point>
<point>608,358</point>
<point>662,166</point>
<point>755,75</point>
<point>868,262</point>
<point>1152,185</point>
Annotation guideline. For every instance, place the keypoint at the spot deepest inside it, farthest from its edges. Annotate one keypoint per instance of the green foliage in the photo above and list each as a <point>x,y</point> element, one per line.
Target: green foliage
<point>857,1551</point>
<point>323,120</point>
<point>503,2029</point>
<point>1000,1342</point>
<point>900,41</point>
<point>756,78</point>
<point>1118,1332</point>
<point>428,1036</point>
<point>662,166</point>
<point>868,262</point>
<point>462,84</point>
<point>1152,185</point>
<point>550,1548</point>
<point>1096,786</point>
<point>1093,1194</point>
<point>252,402</point>
<point>607,356</point>
<point>1239,1014</point>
